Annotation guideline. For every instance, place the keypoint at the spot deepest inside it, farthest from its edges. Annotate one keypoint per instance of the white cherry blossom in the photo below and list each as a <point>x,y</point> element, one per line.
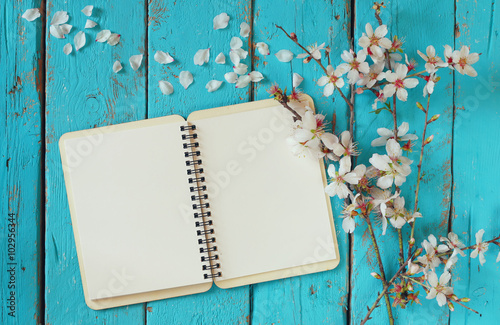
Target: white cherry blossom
<point>480,247</point>
<point>374,74</point>
<point>463,61</point>
<point>439,290</point>
<point>338,179</point>
<point>393,166</point>
<point>331,80</point>
<point>386,134</point>
<point>398,82</point>
<point>374,41</point>
<point>345,147</point>
<point>432,61</point>
<point>354,66</point>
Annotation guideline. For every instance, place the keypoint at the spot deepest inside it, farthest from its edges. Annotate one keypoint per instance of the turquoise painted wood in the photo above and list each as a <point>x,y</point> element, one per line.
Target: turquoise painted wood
<point>21,176</point>
<point>476,122</point>
<point>79,91</point>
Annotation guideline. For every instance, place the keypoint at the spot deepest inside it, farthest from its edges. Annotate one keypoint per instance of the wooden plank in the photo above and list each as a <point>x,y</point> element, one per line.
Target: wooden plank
<point>475,199</point>
<point>322,297</point>
<point>419,23</point>
<point>83,92</point>
<point>20,174</point>
<point>182,28</point>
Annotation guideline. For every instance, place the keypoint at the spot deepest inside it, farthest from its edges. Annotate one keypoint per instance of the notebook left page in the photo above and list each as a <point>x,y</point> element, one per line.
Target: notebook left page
<point>131,210</point>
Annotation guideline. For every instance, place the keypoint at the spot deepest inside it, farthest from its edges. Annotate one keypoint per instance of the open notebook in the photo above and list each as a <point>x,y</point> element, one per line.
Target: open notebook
<point>165,207</point>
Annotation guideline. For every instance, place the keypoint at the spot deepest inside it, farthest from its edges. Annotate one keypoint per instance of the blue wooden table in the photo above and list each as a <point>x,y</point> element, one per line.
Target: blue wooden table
<point>46,93</point>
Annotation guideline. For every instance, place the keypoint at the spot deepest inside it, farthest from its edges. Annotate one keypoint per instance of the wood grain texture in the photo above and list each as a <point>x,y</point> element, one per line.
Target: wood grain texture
<point>321,297</point>
<point>183,28</point>
<point>475,197</point>
<point>435,188</point>
<point>83,92</point>
<point>20,173</point>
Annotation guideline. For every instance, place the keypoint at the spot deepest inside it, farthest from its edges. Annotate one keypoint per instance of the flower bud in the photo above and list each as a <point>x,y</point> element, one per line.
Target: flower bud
<point>450,305</point>
<point>420,107</point>
<point>434,118</point>
<point>375,275</point>
<point>412,242</point>
<point>428,140</point>
<point>418,251</point>
<point>465,299</point>
<point>293,36</point>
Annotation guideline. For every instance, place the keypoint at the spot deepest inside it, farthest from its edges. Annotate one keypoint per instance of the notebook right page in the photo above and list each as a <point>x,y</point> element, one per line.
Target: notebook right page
<point>269,208</point>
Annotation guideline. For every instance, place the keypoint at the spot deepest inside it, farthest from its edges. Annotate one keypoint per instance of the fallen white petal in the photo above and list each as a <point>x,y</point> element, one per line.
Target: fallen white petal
<point>31,14</point>
<point>244,29</point>
<point>114,39</point>
<point>185,78</point>
<point>67,49</point>
<point>65,28</point>
<point>236,43</point>
<point>135,61</point>
<point>221,21</point>
<point>87,11</point>
<point>201,57</point>
<point>117,66</point>
<point>103,36</point>
<point>231,77</point>
<point>284,55</point>
<point>297,79</point>
<point>163,58</point>
<point>166,87</point>
<point>256,76</point>
<point>221,58</point>
<point>56,31</point>
<point>243,81</point>
<point>79,40</point>
<point>241,53</point>
<point>240,68</point>
<point>235,58</point>
<point>213,85</point>
<point>60,17</point>
<point>90,24</point>
<point>263,48</point>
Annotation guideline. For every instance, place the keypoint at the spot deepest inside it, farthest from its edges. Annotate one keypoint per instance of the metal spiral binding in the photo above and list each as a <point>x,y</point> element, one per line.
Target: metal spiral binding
<point>200,205</point>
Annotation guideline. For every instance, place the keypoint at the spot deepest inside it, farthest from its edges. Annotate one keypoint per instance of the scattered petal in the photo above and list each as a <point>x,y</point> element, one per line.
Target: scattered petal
<point>135,61</point>
<point>185,78</point>
<point>240,68</point>
<point>243,81</point>
<point>231,77</point>
<point>241,53</point>
<point>235,57</point>
<point>163,58</point>
<point>244,29</point>
<point>221,21</point>
<point>202,56</point>
<point>65,28</point>
<point>67,49</point>
<point>220,59</point>
<point>56,31</point>
<point>263,48</point>
<point>117,66</point>
<point>60,17</point>
<point>213,85</point>
<point>31,14</point>
<point>166,87</point>
<point>256,76</point>
<point>103,36</point>
<point>79,40</point>
<point>87,11</point>
<point>297,80</point>
<point>114,39</point>
<point>236,43</point>
<point>90,24</point>
<point>284,55</point>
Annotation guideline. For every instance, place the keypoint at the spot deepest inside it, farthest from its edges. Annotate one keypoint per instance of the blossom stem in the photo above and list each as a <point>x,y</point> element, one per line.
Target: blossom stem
<point>448,298</point>
<point>401,249</point>
<point>296,115</point>
<point>494,241</point>
<point>294,39</point>
<point>386,287</point>
<point>419,174</point>
<point>381,267</point>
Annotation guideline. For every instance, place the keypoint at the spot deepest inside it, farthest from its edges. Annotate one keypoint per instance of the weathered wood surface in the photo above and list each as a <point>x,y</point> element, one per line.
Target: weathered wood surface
<point>46,93</point>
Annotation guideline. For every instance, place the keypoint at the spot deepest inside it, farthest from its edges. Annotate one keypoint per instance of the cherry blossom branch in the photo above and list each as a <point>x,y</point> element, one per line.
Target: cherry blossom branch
<point>419,175</point>
<point>375,304</point>
<point>381,267</point>
<point>294,39</point>
<point>494,241</point>
<point>427,288</point>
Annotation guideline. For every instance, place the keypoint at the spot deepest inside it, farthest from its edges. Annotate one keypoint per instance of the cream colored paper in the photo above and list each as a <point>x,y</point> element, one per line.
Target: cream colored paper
<point>131,210</point>
<point>271,215</point>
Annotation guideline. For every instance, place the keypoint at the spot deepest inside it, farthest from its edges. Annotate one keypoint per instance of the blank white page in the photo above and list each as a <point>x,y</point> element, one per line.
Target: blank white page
<point>268,206</point>
<point>133,210</point>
